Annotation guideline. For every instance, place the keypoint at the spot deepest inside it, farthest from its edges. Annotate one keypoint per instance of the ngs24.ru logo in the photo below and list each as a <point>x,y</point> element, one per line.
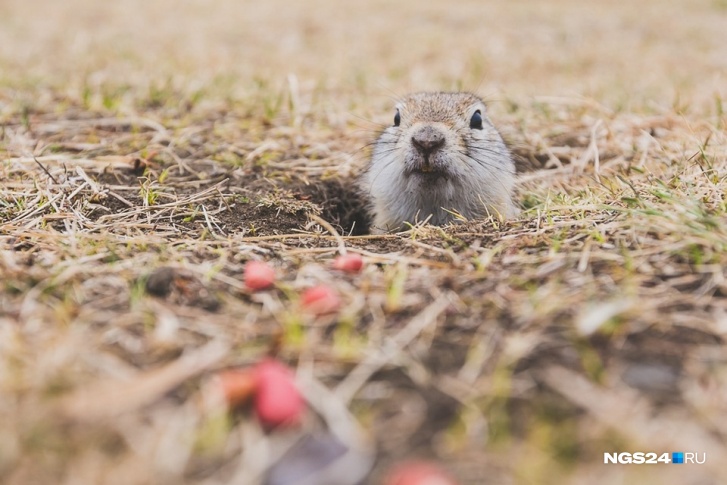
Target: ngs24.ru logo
<point>640,458</point>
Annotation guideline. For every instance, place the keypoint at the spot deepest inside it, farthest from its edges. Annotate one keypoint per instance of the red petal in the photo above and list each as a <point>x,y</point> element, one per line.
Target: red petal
<point>237,386</point>
<point>277,400</point>
<point>320,300</point>
<point>350,263</point>
<point>418,473</point>
<point>258,275</point>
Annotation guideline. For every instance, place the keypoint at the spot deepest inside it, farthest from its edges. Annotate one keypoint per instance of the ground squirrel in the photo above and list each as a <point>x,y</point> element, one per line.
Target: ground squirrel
<point>441,157</point>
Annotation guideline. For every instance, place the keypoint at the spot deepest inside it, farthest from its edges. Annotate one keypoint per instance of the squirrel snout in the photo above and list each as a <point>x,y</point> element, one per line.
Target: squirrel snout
<point>427,140</point>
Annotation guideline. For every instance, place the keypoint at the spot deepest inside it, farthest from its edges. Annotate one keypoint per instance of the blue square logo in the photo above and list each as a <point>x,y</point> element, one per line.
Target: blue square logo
<point>677,458</point>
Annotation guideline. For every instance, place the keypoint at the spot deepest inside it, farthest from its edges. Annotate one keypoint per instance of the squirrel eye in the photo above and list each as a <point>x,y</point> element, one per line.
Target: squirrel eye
<point>397,118</point>
<point>476,121</point>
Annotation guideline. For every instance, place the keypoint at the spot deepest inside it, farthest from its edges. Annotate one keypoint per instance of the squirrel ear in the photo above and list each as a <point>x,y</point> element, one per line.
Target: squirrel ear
<point>476,120</point>
<point>397,118</point>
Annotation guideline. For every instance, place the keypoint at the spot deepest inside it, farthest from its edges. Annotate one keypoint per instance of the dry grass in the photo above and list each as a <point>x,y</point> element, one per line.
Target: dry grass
<point>136,136</point>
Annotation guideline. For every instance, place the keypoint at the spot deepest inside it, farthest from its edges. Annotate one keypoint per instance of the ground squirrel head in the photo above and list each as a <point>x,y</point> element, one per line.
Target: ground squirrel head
<point>440,159</point>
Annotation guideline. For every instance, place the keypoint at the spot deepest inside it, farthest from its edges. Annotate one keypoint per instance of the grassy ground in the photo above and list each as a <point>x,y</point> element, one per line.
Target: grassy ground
<point>197,136</point>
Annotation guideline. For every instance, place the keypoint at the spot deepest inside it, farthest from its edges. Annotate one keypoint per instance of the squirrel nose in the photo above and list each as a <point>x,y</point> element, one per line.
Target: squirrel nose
<point>427,140</point>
